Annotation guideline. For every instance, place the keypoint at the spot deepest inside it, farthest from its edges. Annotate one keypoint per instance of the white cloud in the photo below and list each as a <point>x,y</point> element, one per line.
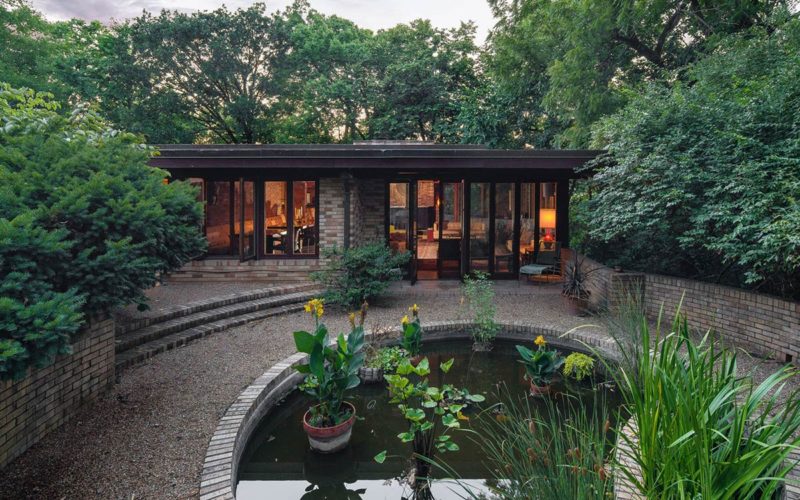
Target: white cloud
<point>373,14</point>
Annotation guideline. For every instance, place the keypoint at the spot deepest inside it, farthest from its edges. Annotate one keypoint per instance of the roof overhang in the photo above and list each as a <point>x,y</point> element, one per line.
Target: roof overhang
<point>345,157</point>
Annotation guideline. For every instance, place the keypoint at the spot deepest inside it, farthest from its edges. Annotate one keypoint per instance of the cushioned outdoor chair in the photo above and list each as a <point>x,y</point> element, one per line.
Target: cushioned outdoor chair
<point>547,263</point>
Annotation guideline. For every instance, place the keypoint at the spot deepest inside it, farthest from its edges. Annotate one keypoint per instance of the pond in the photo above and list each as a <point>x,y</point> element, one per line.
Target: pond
<point>278,463</point>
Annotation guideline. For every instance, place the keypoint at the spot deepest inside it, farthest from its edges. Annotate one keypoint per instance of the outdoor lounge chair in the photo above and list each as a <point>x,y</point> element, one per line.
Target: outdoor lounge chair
<point>547,263</point>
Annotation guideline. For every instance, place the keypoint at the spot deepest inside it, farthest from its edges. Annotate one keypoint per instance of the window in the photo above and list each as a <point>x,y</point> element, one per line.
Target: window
<point>290,222</point>
<point>398,216</point>
<point>504,227</point>
<point>479,226</point>
<point>219,218</point>
<point>527,216</point>
<point>547,215</point>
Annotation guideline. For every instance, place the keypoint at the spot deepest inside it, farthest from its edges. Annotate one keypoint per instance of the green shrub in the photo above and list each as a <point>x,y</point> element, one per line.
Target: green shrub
<point>578,366</point>
<point>479,300</point>
<point>385,358</point>
<point>703,429</point>
<point>355,275</point>
<point>86,225</point>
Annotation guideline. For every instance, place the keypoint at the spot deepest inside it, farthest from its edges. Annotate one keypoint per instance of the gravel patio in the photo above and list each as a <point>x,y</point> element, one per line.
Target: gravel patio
<point>146,438</point>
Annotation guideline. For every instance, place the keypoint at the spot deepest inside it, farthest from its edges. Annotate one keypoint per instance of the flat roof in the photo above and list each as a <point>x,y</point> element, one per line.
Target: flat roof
<point>373,155</point>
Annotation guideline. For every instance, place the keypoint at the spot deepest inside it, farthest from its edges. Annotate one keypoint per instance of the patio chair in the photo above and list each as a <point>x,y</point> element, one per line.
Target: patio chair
<point>546,263</point>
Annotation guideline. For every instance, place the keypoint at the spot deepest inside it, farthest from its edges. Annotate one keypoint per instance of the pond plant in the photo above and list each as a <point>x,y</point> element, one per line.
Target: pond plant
<point>411,339</point>
<point>578,366</point>
<point>380,361</point>
<point>478,298</point>
<point>541,364</point>
<point>331,370</point>
<point>431,412</point>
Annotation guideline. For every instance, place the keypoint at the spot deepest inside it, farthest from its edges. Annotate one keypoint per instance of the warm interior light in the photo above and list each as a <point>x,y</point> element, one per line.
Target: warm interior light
<point>547,218</point>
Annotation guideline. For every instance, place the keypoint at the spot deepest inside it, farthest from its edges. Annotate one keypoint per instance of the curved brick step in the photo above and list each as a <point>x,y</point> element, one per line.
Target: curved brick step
<point>172,341</point>
<point>156,331</point>
<point>172,312</point>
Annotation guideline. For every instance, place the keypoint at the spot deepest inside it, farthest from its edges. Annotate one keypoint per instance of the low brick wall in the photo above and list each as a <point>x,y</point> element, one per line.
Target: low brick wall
<point>760,324</point>
<point>48,397</point>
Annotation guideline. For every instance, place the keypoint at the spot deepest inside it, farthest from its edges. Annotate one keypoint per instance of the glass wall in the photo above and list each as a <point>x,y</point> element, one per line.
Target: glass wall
<point>547,216</point>
<point>247,234</point>
<point>504,227</point>
<point>479,254</point>
<point>275,218</point>
<point>452,208</point>
<point>527,215</point>
<point>304,203</point>
<point>398,216</point>
<point>219,217</point>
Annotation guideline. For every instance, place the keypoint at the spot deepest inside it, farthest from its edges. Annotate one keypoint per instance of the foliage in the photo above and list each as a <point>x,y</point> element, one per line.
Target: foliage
<point>411,339</point>
<point>702,177</point>
<point>87,224</point>
<point>479,296</point>
<point>331,370</point>
<point>540,364</point>
<point>704,430</point>
<point>560,452</point>
<point>576,278</point>
<point>566,64</point>
<point>431,412</point>
<point>578,366</point>
<point>355,275</point>
<point>386,358</point>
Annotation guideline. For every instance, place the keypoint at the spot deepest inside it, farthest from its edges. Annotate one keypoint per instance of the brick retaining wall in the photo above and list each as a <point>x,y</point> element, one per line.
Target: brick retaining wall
<point>760,324</point>
<point>48,397</point>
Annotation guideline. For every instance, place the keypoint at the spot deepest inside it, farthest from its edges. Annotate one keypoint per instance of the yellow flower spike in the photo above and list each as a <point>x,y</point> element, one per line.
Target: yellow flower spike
<point>352,318</point>
<point>414,310</point>
<point>540,341</point>
<point>307,307</point>
<point>404,321</point>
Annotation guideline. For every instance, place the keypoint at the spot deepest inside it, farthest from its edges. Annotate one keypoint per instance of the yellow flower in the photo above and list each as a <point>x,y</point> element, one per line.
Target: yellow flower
<point>414,309</point>
<point>314,307</point>
<point>404,320</point>
<point>461,416</point>
<point>540,341</point>
<point>352,318</point>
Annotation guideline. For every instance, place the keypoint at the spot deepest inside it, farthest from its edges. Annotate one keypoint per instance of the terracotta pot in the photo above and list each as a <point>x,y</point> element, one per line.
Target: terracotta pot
<point>370,375</point>
<point>539,390</point>
<point>330,439</point>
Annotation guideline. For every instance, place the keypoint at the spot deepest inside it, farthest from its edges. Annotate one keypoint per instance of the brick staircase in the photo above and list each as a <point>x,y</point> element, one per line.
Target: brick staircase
<point>176,326</point>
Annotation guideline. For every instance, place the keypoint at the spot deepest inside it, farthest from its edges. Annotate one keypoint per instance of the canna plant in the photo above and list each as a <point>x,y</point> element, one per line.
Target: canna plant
<point>540,364</point>
<point>412,332</point>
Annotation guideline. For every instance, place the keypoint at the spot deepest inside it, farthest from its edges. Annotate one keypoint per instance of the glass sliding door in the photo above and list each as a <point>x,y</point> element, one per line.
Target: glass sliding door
<point>479,205</point>
<point>244,218</point>
<point>219,218</point>
<point>276,208</point>
<point>527,236</point>
<point>503,228</point>
<point>427,237</point>
<point>304,205</point>
<point>450,222</point>
<point>399,216</point>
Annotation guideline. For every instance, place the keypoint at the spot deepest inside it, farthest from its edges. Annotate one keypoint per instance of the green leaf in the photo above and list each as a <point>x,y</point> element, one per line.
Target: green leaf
<point>447,365</point>
<point>450,421</point>
<point>380,457</point>
<point>304,342</point>
<point>406,437</point>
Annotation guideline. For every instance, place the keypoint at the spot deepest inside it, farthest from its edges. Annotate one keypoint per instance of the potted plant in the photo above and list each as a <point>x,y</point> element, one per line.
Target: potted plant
<point>540,365</point>
<point>380,362</point>
<point>479,300</point>
<point>576,286</point>
<point>331,370</point>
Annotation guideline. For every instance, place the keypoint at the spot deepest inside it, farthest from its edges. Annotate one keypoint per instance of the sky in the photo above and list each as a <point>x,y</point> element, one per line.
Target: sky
<point>373,14</point>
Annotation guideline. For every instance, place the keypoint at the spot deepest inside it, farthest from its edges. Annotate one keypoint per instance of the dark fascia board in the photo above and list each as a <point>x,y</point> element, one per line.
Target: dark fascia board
<point>362,151</point>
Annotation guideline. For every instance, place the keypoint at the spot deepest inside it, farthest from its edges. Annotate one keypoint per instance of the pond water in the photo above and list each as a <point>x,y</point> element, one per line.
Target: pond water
<point>278,463</point>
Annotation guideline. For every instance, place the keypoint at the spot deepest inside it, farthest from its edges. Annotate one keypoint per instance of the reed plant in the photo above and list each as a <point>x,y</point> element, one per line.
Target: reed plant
<point>699,428</point>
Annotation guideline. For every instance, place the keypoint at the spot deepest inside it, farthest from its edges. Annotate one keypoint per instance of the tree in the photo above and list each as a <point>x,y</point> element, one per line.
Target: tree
<point>702,176</point>
<point>86,224</point>
<point>573,59</point>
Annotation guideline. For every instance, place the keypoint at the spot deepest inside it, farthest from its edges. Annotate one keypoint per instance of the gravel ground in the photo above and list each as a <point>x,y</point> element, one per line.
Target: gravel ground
<point>147,437</point>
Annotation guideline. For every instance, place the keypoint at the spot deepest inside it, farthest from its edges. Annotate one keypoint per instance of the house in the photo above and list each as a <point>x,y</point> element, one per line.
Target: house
<point>457,208</point>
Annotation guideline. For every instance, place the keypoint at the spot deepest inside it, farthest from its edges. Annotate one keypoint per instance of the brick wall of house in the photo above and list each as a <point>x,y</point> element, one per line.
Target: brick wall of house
<point>372,208</point>
<point>48,397</point>
<point>760,324</point>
